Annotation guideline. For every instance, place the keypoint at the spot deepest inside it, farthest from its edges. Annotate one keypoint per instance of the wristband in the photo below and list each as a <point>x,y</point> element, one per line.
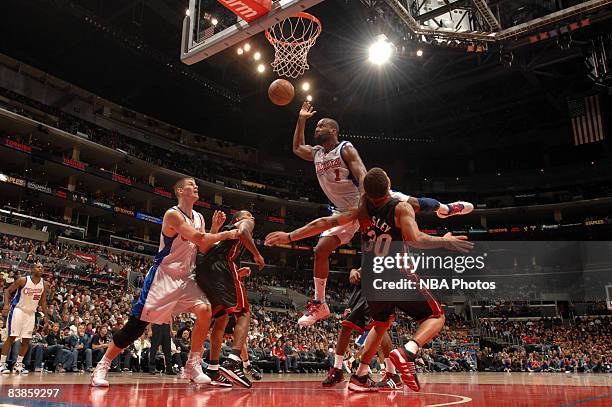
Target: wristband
<point>289,235</point>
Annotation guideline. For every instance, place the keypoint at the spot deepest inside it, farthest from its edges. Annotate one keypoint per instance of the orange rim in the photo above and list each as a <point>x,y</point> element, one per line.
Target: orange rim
<point>301,14</point>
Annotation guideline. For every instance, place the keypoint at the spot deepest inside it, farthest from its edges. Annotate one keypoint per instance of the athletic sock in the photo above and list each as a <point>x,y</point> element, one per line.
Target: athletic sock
<point>105,360</point>
<point>412,347</point>
<point>320,284</point>
<point>3,359</point>
<point>389,366</point>
<point>213,365</point>
<point>338,359</point>
<point>19,359</point>
<point>363,369</point>
<point>194,358</point>
<point>246,364</point>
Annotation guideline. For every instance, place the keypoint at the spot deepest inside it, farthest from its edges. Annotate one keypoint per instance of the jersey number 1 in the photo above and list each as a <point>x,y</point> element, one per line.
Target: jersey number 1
<point>337,171</point>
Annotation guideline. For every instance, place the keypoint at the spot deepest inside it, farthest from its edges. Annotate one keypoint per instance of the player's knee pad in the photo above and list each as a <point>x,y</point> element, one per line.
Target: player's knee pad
<point>131,331</point>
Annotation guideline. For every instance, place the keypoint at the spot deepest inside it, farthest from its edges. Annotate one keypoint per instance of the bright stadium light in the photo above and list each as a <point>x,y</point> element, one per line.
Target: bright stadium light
<point>380,52</point>
<point>419,53</point>
<point>309,98</point>
<point>305,86</point>
<point>261,68</point>
<point>239,51</point>
<point>257,56</point>
<point>214,21</point>
<point>247,47</point>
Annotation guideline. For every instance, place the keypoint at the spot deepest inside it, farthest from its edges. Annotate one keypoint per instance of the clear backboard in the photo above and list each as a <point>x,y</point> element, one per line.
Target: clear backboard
<point>210,27</point>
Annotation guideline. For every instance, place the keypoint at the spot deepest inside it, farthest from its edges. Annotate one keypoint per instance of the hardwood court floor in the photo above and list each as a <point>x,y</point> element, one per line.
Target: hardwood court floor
<point>469,389</point>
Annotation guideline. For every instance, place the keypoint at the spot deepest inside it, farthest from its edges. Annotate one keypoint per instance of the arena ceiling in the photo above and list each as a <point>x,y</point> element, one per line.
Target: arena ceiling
<point>131,57</point>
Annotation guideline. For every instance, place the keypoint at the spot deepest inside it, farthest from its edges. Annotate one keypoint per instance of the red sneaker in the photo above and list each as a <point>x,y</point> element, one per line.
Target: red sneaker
<point>390,382</point>
<point>316,310</point>
<point>334,376</point>
<point>404,363</point>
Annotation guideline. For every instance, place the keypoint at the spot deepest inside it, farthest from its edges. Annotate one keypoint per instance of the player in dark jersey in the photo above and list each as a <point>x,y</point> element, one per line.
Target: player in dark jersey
<point>389,216</point>
<point>218,276</point>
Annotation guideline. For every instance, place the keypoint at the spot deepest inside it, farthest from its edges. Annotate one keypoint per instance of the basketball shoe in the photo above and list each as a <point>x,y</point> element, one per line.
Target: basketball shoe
<point>217,379</point>
<point>404,364</point>
<point>315,311</point>
<point>362,383</point>
<point>455,208</point>
<point>390,382</point>
<point>98,376</point>
<point>4,368</point>
<point>254,372</point>
<point>233,369</point>
<point>334,376</point>
<point>193,372</point>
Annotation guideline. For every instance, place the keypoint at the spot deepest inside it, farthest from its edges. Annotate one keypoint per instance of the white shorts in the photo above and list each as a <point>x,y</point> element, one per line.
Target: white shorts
<point>21,323</point>
<point>164,295</point>
<point>344,232</point>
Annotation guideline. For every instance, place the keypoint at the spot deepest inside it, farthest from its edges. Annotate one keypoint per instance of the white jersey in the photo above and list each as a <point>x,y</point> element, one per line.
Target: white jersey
<point>28,296</point>
<point>176,255</point>
<point>335,177</point>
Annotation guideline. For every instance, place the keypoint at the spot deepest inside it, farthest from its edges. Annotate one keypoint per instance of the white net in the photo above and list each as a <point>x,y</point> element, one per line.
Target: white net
<point>292,38</point>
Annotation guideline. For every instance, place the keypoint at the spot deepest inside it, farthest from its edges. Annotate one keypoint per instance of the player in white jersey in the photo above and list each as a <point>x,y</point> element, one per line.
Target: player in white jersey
<point>20,312</point>
<point>169,287</point>
<point>340,172</point>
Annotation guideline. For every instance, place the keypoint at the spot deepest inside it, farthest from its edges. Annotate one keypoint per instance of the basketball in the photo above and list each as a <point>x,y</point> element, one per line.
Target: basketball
<point>281,92</point>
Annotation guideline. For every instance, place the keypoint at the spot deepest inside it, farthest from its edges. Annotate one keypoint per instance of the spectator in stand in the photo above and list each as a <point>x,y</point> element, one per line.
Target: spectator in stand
<point>183,345</point>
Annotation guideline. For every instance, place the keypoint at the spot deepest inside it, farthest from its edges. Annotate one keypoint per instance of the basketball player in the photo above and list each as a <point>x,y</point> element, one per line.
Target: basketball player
<point>218,276</point>
<point>340,172</point>
<point>31,290</point>
<point>169,287</point>
<point>357,318</point>
<point>387,215</point>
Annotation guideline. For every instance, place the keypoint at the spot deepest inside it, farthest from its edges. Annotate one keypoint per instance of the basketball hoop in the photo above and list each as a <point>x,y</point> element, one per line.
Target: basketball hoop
<point>292,38</point>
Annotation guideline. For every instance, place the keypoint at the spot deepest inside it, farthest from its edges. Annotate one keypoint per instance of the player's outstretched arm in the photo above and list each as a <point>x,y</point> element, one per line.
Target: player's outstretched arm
<point>300,148</point>
<point>175,223</point>
<point>245,235</point>
<point>313,228</point>
<point>8,293</point>
<point>404,217</point>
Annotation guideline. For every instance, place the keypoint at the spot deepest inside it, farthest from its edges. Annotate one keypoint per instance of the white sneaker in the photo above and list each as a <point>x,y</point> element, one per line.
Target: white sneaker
<point>193,372</point>
<point>316,311</point>
<point>98,376</point>
<point>4,368</point>
<point>456,208</point>
<point>19,368</point>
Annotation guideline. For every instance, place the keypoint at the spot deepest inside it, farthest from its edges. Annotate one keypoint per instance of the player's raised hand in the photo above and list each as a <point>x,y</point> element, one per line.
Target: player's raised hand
<point>307,111</point>
<point>458,243</point>
<point>355,276</point>
<point>260,262</point>
<point>218,219</point>
<point>275,238</point>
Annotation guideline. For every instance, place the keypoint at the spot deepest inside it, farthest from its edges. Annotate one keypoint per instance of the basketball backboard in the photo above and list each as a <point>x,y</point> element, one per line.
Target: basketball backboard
<point>209,27</point>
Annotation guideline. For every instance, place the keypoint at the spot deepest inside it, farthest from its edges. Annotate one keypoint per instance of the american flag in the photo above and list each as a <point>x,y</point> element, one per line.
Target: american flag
<point>587,124</point>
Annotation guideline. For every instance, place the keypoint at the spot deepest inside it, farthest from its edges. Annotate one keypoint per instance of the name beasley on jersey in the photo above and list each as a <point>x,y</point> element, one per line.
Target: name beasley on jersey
<point>326,165</point>
<point>380,224</point>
